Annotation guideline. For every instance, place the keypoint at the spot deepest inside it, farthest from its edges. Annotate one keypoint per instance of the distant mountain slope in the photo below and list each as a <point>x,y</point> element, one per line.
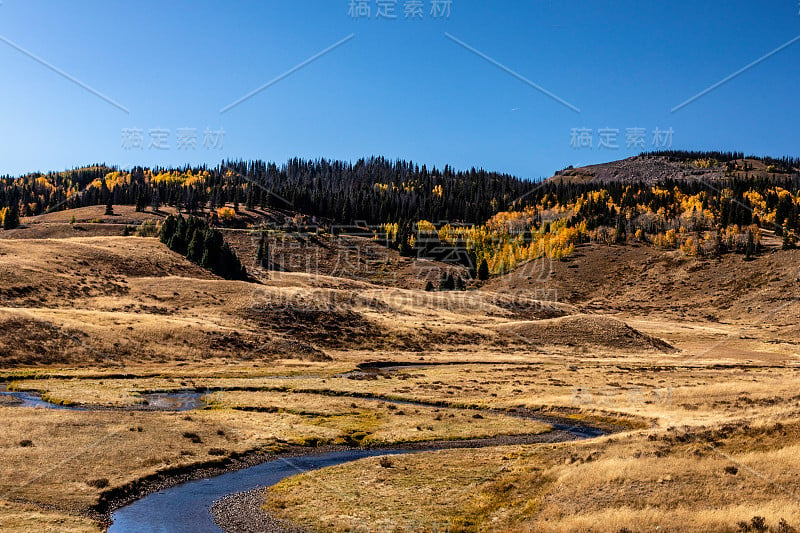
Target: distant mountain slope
<point>657,167</point>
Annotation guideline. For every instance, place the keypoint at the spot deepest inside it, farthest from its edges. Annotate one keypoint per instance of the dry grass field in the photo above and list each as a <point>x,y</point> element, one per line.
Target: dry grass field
<point>679,480</point>
<point>695,362</point>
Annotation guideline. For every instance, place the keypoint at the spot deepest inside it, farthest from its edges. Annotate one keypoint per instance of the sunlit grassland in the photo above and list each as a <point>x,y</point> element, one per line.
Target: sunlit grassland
<point>642,481</point>
<point>54,457</point>
<point>667,473</point>
<point>23,518</point>
<point>375,422</point>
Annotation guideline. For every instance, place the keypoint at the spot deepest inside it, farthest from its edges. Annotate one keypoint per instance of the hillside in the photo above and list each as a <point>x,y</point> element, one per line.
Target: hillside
<point>645,280</point>
<point>658,167</point>
<point>587,303</point>
<point>114,300</point>
<point>573,250</point>
<point>77,298</point>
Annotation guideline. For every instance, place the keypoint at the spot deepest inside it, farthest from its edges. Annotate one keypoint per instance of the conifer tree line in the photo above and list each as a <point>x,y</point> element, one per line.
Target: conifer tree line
<point>374,190</point>
<point>203,245</point>
<point>486,221</point>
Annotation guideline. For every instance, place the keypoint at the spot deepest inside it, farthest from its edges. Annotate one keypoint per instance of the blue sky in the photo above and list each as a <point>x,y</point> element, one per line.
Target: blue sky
<point>399,87</point>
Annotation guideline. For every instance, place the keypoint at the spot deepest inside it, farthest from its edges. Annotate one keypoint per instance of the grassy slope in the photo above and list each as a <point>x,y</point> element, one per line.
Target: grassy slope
<point>673,481</point>
<point>175,326</point>
<point>721,449</point>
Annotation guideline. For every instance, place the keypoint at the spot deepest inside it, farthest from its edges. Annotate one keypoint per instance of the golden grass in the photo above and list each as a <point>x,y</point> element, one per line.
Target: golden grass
<point>673,480</point>
<point>536,488</point>
<point>24,518</point>
<point>665,392</point>
<point>640,482</point>
<point>372,422</point>
<point>551,488</point>
<point>418,491</point>
<point>69,449</point>
<point>169,325</point>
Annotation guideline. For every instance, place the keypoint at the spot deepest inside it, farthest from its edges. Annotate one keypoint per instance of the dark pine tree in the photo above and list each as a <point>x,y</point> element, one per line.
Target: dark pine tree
<point>448,283</point>
<point>212,247</point>
<point>178,241</point>
<point>11,219</point>
<point>262,253</point>
<point>483,270</point>
<point>194,251</point>
<point>155,201</point>
<point>141,200</point>
<point>168,229</point>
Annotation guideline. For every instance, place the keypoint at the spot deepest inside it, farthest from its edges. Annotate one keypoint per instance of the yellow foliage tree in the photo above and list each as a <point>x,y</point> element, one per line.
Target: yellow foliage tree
<point>226,214</point>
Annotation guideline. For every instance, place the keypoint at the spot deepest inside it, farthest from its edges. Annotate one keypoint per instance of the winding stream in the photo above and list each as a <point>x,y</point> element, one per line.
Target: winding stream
<point>153,401</point>
<point>186,507</point>
<point>27,399</point>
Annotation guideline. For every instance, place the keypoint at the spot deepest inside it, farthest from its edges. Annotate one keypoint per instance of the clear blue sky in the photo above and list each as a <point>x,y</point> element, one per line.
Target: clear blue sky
<point>399,87</point>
